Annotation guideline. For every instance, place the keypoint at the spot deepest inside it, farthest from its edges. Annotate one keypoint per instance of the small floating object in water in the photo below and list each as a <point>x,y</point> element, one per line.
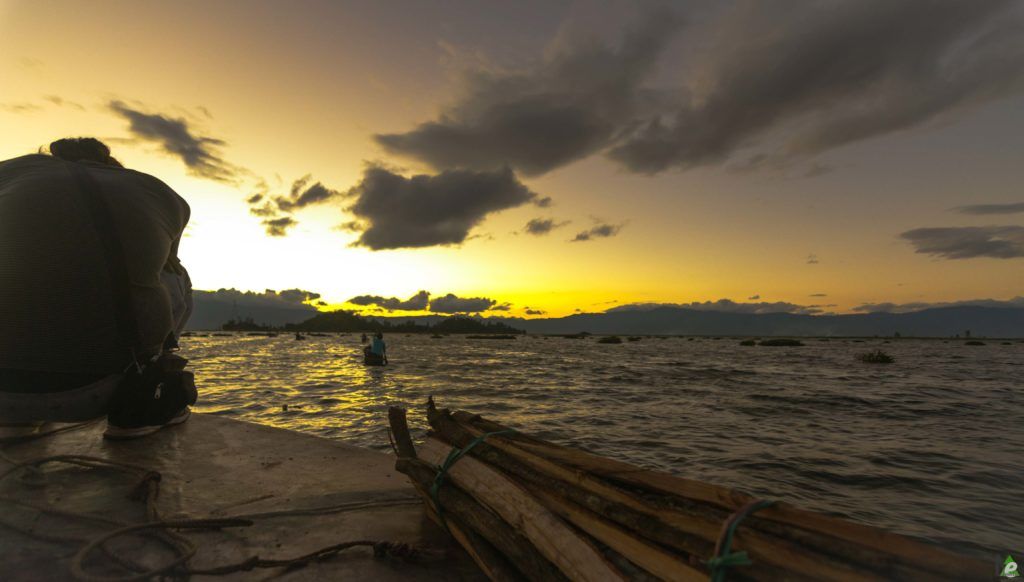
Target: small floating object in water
<point>612,339</point>
<point>299,336</point>
<point>974,343</point>
<point>436,336</point>
<point>748,343</point>
<point>634,338</point>
<point>492,336</point>
<point>876,357</point>
<point>776,342</point>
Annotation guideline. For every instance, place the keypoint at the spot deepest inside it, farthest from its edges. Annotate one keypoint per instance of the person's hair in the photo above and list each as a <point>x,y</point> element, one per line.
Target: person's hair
<point>83,149</point>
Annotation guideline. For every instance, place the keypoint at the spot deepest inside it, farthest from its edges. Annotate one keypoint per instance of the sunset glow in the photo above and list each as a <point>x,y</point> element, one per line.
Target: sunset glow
<point>293,93</point>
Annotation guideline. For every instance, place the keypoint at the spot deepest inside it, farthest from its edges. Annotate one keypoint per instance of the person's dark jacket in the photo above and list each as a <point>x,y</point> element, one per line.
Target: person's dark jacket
<point>56,299</point>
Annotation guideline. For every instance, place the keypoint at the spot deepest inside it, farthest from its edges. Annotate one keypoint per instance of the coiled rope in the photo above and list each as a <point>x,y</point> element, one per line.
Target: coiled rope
<point>164,531</point>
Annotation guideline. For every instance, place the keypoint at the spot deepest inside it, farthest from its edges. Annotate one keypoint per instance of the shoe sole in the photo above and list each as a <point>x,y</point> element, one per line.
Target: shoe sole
<point>119,433</point>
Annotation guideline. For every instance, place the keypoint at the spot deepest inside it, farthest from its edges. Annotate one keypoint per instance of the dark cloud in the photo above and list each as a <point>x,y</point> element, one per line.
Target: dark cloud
<point>600,231</point>
<point>818,169</point>
<point>21,107</point>
<point>572,103</point>
<point>24,107</point>
<point>417,302</point>
<point>725,305</point>
<point>268,298</point>
<point>818,295</point>
<point>1016,302</point>
<point>393,211</point>
<point>255,198</point>
<point>991,208</point>
<point>61,102</point>
<point>753,297</point>
<point>303,194</point>
<point>502,307</point>
<point>537,311</point>
<point>201,154</point>
<point>279,226</point>
<point>450,303</point>
<point>267,210</point>
<point>832,73</point>
<point>998,242</point>
<point>542,226</point>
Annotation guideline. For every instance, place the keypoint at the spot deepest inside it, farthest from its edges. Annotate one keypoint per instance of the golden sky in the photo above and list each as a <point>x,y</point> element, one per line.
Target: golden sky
<point>800,206</point>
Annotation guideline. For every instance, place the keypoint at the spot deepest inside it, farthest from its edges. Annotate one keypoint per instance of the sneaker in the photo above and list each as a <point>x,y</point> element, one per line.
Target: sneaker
<point>138,410</point>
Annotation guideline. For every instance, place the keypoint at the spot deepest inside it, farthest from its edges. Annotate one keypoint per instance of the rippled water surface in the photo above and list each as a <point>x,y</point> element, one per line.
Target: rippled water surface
<point>930,445</point>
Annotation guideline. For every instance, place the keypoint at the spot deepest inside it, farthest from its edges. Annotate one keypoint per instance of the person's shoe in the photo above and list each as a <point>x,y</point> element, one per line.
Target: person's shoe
<point>139,408</point>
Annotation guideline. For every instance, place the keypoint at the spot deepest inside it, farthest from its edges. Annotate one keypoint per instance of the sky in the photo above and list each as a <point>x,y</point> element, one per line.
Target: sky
<point>540,158</point>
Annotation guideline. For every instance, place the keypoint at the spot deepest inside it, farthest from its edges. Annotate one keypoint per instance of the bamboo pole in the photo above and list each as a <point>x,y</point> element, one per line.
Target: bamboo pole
<point>653,559</point>
<point>481,521</point>
<point>660,524</point>
<point>575,557</point>
<point>490,561</point>
<point>891,554</point>
<point>470,516</point>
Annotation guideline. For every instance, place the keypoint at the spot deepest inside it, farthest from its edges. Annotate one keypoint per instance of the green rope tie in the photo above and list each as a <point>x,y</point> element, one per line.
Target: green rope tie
<point>725,559</point>
<point>442,470</point>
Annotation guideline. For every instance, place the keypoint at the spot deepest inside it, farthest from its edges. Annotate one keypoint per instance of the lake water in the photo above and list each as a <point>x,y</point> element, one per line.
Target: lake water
<point>930,445</point>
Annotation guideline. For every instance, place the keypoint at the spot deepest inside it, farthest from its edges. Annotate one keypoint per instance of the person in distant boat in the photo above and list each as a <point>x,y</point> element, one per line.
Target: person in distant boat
<point>377,348</point>
<point>93,297</point>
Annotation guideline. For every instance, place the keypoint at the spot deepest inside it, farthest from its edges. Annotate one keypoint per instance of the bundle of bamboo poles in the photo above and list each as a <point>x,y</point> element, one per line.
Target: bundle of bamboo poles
<point>526,508</point>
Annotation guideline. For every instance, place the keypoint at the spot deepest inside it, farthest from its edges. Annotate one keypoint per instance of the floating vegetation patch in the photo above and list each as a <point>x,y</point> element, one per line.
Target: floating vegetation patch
<point>876,357</point>
<point>974,343</point>
<point>748,343</point>
<point>781,342</point>
<point>612,339</point>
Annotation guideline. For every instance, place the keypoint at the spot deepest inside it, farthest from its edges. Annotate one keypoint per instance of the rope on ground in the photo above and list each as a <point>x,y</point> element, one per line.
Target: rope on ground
<point>146,490</point>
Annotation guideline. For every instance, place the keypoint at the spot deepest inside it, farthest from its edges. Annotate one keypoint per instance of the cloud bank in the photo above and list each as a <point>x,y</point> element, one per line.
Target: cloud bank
<point>570,104</point>
<point>889,307</point>
<point>968,242</point>
<point>417,302</point>
<point>451,303</point>
<point>268,298</point>
<point>725,305</point>
<point>820,75</point>
<point>833,73</point>
<point>991,208</point>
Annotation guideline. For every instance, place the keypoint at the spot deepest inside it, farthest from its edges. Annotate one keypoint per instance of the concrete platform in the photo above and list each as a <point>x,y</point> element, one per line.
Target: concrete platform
<point>213,466</point>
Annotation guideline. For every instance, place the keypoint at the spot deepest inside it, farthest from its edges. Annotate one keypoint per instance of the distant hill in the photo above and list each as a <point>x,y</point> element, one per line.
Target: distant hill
<point>211,313</point>
<point>938,322</point>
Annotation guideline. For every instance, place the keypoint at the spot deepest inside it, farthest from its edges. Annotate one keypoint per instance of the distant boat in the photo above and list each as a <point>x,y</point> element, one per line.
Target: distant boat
<point>372,359</point>
<point>299,336</point>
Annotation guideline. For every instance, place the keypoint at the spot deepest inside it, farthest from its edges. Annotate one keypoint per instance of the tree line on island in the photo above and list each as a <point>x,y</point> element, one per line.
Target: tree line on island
<point>347,321</point>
